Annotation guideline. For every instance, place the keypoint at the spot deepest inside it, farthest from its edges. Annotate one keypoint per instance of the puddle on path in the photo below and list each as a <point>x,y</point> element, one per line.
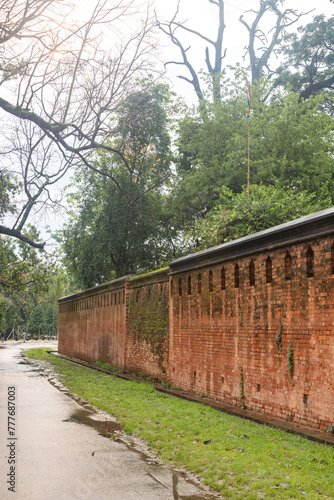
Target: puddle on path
<point>105,427</point>
<point>109,427</point>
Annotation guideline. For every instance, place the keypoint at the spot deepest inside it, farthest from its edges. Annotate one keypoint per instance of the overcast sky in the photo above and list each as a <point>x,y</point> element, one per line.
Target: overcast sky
<point>202,16</point>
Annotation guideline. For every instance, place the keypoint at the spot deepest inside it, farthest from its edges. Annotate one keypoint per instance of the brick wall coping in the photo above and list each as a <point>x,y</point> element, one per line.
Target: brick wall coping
<point>296,231</point>
<point>160,275</point>
<point>96,290</point>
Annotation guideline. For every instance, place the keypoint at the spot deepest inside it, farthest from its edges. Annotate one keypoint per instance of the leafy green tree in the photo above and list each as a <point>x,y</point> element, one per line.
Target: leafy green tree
<point>51,319</point>
<point>309,59</point>
<point>116,230</point>
<point>291,141</point>
<point>207,145</point>
<point>37,323</point>
<point>7,192</point>
<point>21,302</point>
<point>237,215</point>
<point>263,43</point>
<point>21,268</point>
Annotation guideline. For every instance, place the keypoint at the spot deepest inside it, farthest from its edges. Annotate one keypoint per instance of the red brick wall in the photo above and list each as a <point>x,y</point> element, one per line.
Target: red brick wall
<point>123,323</point>
<point>147,325</point>
<point>220,336</point>
<point>92,325</point>
<point>267,343</point>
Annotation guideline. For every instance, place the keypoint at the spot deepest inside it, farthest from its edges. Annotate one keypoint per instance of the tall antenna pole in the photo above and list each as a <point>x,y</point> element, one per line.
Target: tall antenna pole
<point>248,119</point>
<point>248,156</point>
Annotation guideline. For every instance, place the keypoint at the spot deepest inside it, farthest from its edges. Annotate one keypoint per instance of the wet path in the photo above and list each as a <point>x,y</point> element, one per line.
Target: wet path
<point>61,449</point>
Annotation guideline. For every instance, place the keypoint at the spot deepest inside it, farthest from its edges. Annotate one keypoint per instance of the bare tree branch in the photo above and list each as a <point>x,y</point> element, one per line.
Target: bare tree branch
<point>214,68</point>
<point>18,235</point>
<point>317,86</point>
<point>268,41</point>
<point>67,78</point>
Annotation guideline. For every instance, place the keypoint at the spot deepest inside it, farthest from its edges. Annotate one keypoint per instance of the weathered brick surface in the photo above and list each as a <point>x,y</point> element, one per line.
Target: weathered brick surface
<point>147,325</point>
<point>219,333</point>
<point>92,324</point>
<point>251,322</point>
<point>124,323</point>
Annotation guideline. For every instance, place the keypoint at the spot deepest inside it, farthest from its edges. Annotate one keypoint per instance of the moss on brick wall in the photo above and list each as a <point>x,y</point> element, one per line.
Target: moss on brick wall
<point>148,317</point>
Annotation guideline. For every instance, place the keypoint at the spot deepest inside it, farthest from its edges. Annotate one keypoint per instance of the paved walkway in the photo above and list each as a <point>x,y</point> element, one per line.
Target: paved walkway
<point>53,457</point>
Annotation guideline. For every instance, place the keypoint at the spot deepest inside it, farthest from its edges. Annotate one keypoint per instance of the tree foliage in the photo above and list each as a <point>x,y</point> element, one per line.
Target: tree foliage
<point>62,83</point>
<point>118,230</point>
<point>51,319</point>
<point>263,43</point>
<point>28,278</point>
<point>290,142</point>
<point>237,215</point>
<point>72,101</point>
<point>308,65</point>
<point>179,33</point>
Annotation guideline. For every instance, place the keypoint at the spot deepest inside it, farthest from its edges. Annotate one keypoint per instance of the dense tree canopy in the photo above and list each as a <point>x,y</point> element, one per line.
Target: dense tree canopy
<point>263,43</point>
<point>116,230</point>
<point>237,215</point>
<point>21,268</point>
<point>290,142</point>
<point>308,65</point>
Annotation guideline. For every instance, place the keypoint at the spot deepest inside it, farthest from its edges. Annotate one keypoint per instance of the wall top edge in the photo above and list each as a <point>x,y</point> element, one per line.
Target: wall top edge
<point>96,290</point>
<point>158,274</point>
<point>304,228</point>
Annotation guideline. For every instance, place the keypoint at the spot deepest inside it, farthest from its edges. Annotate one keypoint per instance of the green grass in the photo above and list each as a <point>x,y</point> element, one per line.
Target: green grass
<point>240,459</point>
<point>107,366</point>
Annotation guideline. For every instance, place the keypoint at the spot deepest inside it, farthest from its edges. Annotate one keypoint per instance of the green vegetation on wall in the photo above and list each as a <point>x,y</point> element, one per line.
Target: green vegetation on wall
<point>148,317</point>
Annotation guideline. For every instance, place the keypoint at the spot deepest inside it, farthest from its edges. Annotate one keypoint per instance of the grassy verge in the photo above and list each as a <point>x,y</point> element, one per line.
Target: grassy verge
<point>240,459</point>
